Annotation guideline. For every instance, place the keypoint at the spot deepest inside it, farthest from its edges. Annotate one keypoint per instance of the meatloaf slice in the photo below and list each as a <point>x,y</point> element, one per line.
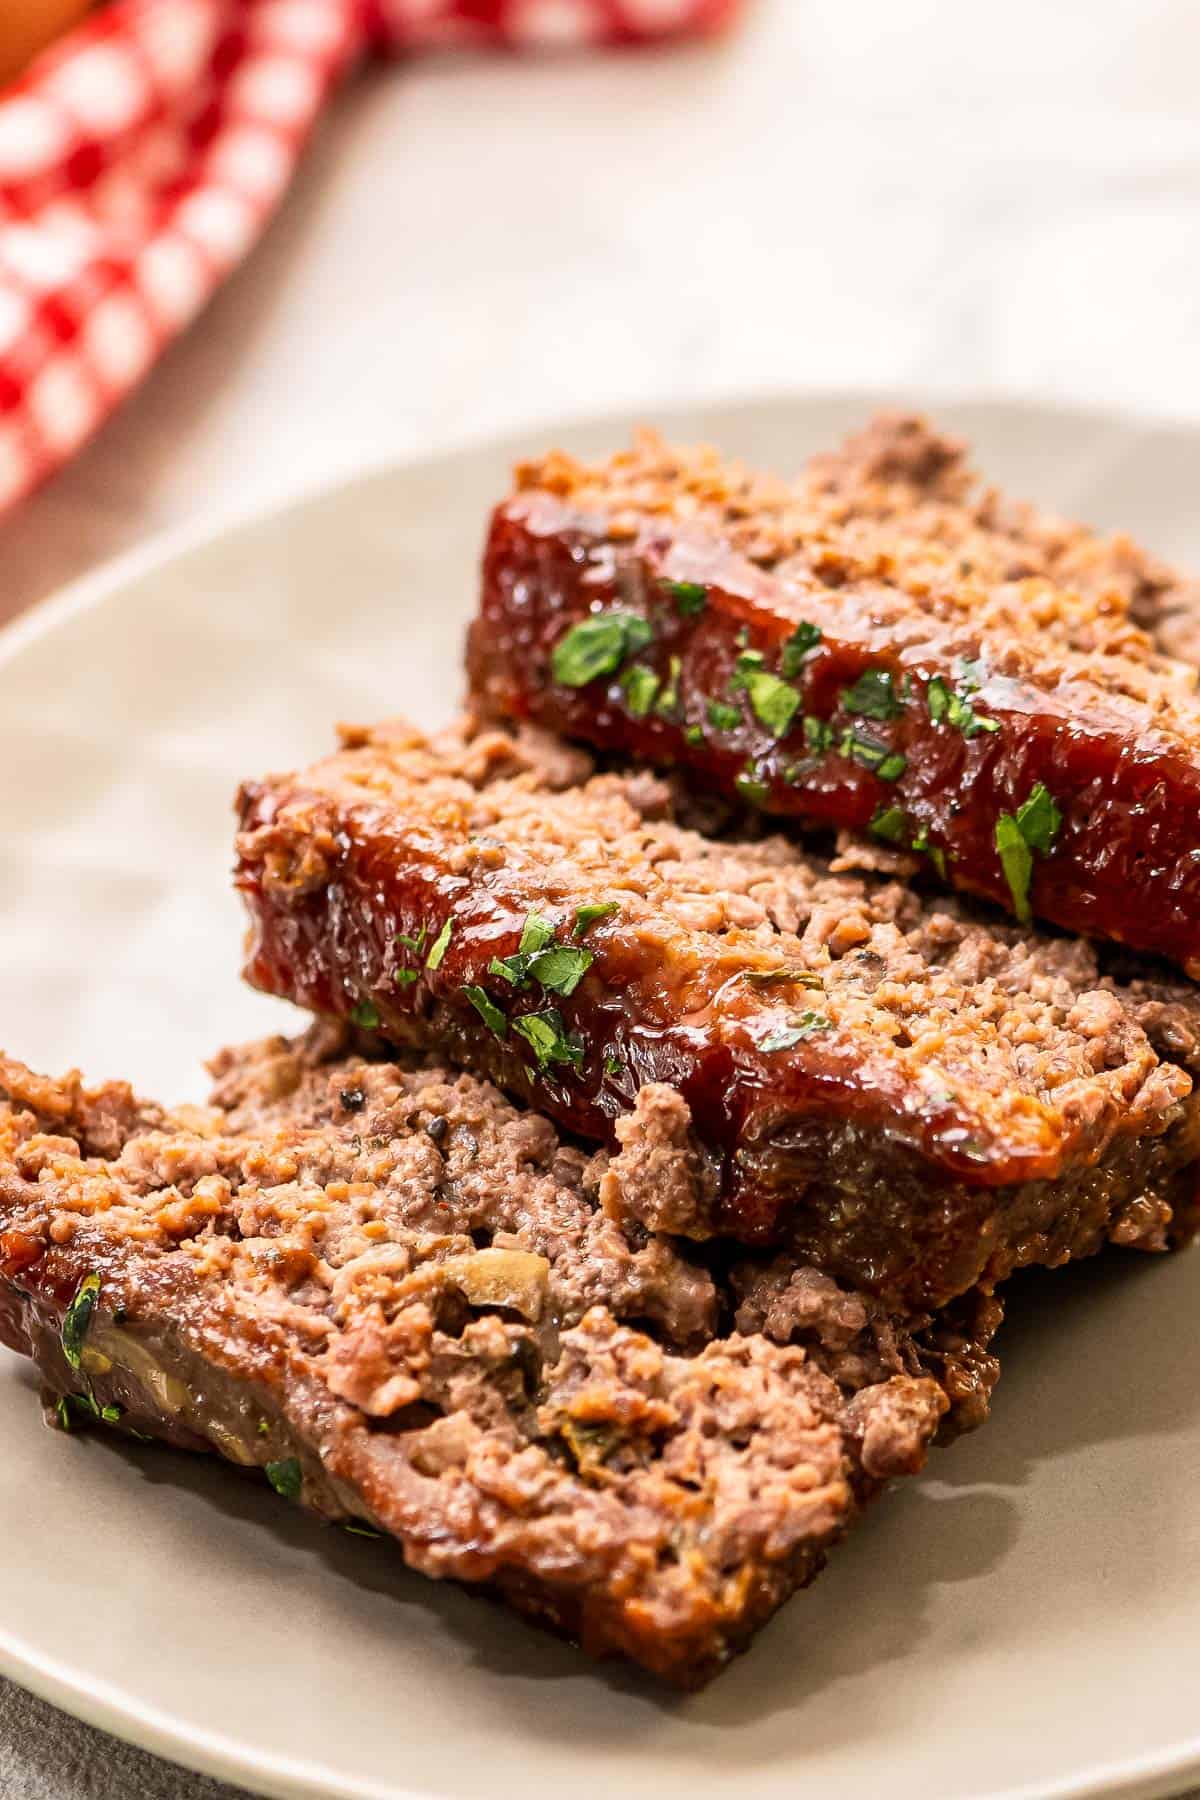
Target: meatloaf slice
<point>395,1295</point>
<point>912,1097</point>
<point>876,647</point>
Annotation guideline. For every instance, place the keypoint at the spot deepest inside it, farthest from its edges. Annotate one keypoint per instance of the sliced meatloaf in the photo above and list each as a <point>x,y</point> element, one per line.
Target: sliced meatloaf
<point>397,1297</point>
<point>911,1096</point>
<point>879,647</point>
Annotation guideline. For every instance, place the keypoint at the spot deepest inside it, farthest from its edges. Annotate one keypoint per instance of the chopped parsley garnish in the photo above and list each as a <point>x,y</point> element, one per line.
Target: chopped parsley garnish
<point>597,646</point>
<point>366,1014</point>
<point>772,701</point>
<point>892,767</point>
<point>612,1063</point>
<point>487,1009</point>
<point>690,597</point>
<point>561,969</point>
<point>751,786</point>
<point>285,1477</point>
<point>1033,827</point>
<point>818,733</point>
<point>805,978</point>
<point>536,933</point>
<point>415,944</point>
<point>264,1428</point>
<point>549,1039</point>
<point>723,717</point>
<point>806,637</point>
<point>439,946</point>
<point>640,687</point>
<point>587,916</point>
<point>873,696</point>
<point>1016,859</point>
<point>945,703</point>
<point>934,852</point>
<point>694,735</point>
<point>785,1037</point>
<point>871,754</point>
<point>406,977</point>
<point>85,1404</point>
<point>558,967</point>
<point>78,1317</point>
<point>1039,819</point>
<point>889,823</point>
<point>668,699</point>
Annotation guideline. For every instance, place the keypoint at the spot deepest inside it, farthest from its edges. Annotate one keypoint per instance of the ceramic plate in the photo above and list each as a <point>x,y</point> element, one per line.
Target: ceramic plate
<point>1024,1620</point>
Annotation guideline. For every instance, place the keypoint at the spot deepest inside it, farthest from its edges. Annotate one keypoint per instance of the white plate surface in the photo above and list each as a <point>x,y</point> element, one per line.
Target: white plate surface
<point>1024,1620</point>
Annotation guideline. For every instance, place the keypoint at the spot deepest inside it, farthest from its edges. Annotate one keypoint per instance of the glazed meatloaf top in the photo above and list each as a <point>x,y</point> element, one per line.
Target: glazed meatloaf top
<point>919,1095</point>
<point>397,1296</point>
<point>881,647</point>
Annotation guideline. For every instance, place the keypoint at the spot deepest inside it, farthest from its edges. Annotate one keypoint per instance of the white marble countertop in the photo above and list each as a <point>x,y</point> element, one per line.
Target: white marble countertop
<point>848,192</point>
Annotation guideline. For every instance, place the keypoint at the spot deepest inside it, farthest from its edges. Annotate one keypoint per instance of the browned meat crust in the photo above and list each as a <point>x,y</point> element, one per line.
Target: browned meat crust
<point>883,646</point>
<point>914,1098</point>
<point>395,1294</point>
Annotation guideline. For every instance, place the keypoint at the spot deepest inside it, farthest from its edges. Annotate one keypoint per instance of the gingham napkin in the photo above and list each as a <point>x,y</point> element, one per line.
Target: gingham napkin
<point>141,157</point>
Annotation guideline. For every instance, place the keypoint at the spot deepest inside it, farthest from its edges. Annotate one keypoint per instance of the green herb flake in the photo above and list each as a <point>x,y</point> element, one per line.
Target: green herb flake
<point>889,823</point>
<point>1032,829</point>
<point>640,687</point>
<point>1016,859</point>
<point>1039,819</point>
<point>612,1063</point>
<point>805,978</point>
<point>694,735</point>
<point>415,944</point>
<point>667,703</point>
<point>723,717</point>
<point>953,707</point>
<point>772,701</point>
<point>549,1039</point>
<point>867,751</point>
<point>264,1428</point>
<point>487,1009</point>
<point>934,852</point>
<point>285,1477</point>
<point>440,945</point>
<point>690,597</point>
<point>587,916</point>
<point>561,968</point>
<point>786,1037</point>
<point>110,1414</point>
<point>752,788</point>
<point>406,977</point>
<point>818,734</point>
<point>536,933</point>
<point>873,696</point>
<point>366,1014</point>
<point>892,767</point>
<point>78,1317</point>
<point>356,1530</point>
<point>805,638</point>
<point>597,646</point>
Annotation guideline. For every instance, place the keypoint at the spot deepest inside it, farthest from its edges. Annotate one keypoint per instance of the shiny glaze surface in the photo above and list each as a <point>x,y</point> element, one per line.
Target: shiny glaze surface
<point>1125,863</point>
<point>825,1145</point>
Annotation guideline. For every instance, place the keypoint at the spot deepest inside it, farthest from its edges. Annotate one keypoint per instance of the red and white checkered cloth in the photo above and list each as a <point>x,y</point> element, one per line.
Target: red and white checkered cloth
<point>142,155</point>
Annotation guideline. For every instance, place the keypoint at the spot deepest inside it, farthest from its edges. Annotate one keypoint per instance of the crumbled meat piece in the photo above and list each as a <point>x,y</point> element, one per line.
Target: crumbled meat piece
<point>884,646</point>
<point>502,1408</point>
<point>910,1093</point>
